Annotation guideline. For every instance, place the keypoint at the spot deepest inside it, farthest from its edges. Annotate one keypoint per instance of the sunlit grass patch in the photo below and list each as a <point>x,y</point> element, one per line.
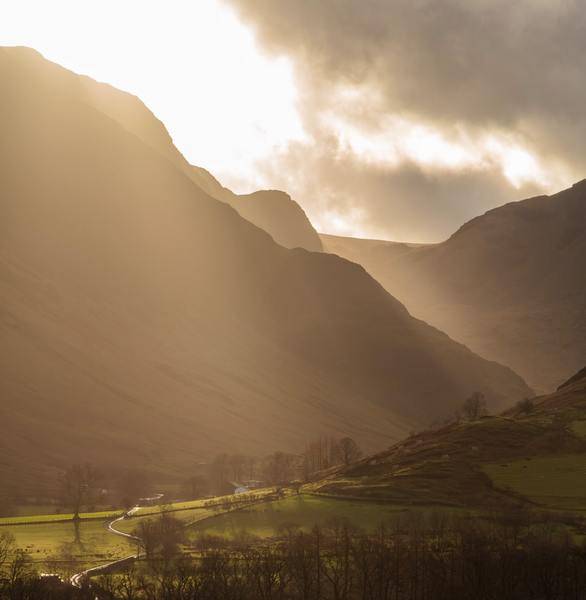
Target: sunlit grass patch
<point>304,511</point>
<point>61,547</point>
<point>553,481</point>
<point>579,428</point>
<point>56,517</point>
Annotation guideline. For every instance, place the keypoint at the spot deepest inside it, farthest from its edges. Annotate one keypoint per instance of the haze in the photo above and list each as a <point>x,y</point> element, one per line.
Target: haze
<point>372,139</point>
<point>213,383</point>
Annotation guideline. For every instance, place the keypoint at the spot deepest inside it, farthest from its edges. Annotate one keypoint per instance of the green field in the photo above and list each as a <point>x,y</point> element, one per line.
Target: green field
<point>579,428</point>
<point>304,511</point>
<point>553,481</point>
<point>112,514</point>
<point>187,517</point>
<point>201,503</point>
<point>53,542</point>
<point>48,518</point>
<point>56,547</point>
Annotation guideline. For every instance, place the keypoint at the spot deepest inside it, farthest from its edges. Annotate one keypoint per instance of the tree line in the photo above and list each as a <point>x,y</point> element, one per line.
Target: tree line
<point>512,556</point>
<point>275,469</point>
<point>515,555</point>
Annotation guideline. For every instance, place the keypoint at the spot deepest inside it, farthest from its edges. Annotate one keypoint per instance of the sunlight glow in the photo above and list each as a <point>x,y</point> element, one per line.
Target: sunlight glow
<point>401,141</point>
<point>232,109</point>
<point>346,223</point>
<point>226,105</point>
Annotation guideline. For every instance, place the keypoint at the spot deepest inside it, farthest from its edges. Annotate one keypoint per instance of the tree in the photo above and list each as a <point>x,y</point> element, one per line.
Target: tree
<point>196,486</point>
<point>525,406</point>
<point>349,450</point>
<point>296,485</point>
<point>7,547</point>
<point>78,485</point>
<point>237,463</point>
<point>279,468</point>
<point>219,472</point>
<point>474,407</point>
<point>160,538</point>
<point>133,485</point>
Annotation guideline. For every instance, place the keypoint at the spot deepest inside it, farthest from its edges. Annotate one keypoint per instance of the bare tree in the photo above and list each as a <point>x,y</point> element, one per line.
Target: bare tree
<point>349,450</point>
<point>133,484</point>
<point>279,468</point>
<point>6,548</point>
<point>237,463</point>
<point>78,485</point>
<point>219,472</point>
<point>196,486</point>
<point>474,407</point>
<point>160,538</point>
<point>526,406</point>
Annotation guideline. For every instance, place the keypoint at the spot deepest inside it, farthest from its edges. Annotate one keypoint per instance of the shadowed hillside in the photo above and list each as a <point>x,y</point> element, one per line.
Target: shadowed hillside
<point>509,284</point>
<point>271,210</point>
<point>533,454</point>
<point>143,320</point>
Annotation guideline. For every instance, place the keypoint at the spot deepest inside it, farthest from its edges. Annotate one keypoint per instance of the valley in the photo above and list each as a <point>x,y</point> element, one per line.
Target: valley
<point>216,381</point>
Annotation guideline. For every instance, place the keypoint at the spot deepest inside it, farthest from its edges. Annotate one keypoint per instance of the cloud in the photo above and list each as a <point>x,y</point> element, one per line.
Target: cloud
<point>432,110</point>
<point>346,196</point>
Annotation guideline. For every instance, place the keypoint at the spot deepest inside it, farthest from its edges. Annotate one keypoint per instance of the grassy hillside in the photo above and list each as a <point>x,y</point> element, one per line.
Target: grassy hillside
<point>518,458</point>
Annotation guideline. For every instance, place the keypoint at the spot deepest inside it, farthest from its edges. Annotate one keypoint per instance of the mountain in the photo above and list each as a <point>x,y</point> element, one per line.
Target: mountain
<point>509,284</point>
<point>271,210</point>
<point>532,455</point>
<point>144,322</point>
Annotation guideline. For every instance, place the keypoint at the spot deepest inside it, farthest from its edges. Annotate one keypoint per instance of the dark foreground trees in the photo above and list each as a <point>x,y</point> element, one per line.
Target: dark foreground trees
<point>434,558</point>
<point>416,557</point>
<point>20,581</point>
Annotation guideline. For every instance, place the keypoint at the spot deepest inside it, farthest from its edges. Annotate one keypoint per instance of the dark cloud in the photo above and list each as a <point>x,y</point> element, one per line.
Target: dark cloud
<point>404,204</point>
<point>515,68</point>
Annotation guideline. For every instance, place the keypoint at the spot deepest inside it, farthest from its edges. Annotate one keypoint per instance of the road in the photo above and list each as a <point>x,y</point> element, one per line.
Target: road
<point>78,579</point>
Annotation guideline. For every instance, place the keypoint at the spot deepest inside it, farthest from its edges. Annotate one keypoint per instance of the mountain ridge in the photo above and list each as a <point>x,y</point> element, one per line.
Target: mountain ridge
<point>508,283</point>
<point>146,319</point>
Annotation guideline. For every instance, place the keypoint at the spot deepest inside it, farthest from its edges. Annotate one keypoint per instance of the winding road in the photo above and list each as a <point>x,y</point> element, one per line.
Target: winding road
<point>79,579</point>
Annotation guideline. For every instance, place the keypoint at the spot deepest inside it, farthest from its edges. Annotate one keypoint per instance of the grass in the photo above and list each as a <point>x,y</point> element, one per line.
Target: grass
<point>304,511</point>
<point>112,514</point>
<point>56,517</point>
<point>188,512</point>
<point>201,503</point>
<point>187,517</point>
<point>50,540</point>
<point>552,481</point>
<point>579,428</point>
<point>55,546</point>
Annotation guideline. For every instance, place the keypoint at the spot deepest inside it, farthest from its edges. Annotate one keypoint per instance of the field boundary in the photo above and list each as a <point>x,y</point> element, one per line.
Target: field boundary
<point>17,523</point>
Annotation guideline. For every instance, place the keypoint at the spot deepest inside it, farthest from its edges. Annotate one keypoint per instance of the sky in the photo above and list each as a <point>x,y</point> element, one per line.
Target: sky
<point>393,119</point>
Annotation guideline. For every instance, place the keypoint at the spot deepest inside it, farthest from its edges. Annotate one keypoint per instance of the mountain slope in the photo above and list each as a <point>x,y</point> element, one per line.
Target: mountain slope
<point>142,319</point>
<point>271,210</point>
<point>509,284</point>
<point>534,454</point>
